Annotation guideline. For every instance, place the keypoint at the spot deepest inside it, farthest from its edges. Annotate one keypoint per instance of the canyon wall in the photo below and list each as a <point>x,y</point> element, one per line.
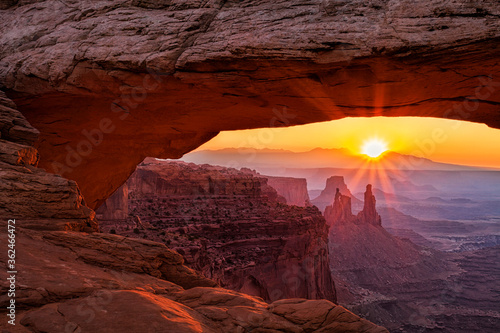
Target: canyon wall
<point>230,225</point>
<point>116,207</point>
<point>294,190</point>
<point>109,83</point>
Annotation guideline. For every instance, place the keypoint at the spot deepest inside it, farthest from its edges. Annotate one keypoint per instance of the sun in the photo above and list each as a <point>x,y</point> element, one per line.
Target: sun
<point>374,147</point>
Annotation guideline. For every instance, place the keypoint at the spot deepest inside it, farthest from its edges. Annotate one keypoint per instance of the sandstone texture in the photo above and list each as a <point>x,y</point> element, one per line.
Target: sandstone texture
<point>43,200</point>
<point>116,206</point>
<point>71,281</point>
<point>340,212</point>
<point>230,225</point>
<point>108,83</point>
<point>369,213</point>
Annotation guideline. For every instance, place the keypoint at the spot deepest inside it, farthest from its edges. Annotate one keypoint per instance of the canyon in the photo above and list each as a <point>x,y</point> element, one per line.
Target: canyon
<point>404,286</point>
<point>230,225</point>
<point>89,89</point>
<point>294,190</point>
<point>72,277</point>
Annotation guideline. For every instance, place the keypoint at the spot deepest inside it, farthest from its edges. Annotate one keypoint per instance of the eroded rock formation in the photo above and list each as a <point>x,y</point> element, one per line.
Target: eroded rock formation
<point>339,212</point>
<point>294,190</point>
<point>403,286</point>
<point>369,213</point>
<point>110,82</point>
<point>232,226</point>
<point>334,185</point>
<point>99,283</point>
<point>116,206</point>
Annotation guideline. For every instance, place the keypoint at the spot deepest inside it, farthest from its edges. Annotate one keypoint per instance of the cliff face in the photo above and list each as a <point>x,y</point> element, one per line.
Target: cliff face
<point>231,226</point>
<point>116,207</point>
<point>68,280</point>
<point>294,190</point>
<point>85,72</point>
<point>340,211</point>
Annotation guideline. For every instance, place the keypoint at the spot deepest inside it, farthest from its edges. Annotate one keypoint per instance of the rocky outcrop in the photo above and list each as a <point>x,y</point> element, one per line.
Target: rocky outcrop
<point>369,213</point>
<point>294,190</point>
<point>108,283</point>
<point>408,288</point>
<point>43,200</point>
<point>95,68</point>
<point>334,184</point>
<point>232,226</point>
<point>403,286</point>
<point>339,212</point>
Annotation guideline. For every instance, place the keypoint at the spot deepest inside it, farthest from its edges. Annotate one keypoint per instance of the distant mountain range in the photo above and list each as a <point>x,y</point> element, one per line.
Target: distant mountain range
<point>316,158</point>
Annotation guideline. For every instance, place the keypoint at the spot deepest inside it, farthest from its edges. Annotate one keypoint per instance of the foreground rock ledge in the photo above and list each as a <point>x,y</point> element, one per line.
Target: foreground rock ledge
<point>97,283</point>
<point>108,83</point>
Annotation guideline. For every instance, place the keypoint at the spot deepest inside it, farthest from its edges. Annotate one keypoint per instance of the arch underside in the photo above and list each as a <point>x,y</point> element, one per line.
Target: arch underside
<point>103,104</point>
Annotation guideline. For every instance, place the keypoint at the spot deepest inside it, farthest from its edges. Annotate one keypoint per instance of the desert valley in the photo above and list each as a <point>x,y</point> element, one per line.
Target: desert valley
<point>265,236</point>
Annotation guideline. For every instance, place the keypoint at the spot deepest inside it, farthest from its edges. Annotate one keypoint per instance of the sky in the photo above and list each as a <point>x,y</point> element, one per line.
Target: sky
<point>441,140</point>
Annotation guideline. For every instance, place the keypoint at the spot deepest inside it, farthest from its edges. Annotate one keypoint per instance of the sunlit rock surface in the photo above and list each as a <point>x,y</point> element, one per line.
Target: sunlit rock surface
<point>230,225</point>
<point>108,283</point>
<point>108,83</point>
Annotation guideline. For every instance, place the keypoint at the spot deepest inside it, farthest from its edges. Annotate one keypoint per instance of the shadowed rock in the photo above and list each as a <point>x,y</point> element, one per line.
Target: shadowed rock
<point>109,83</point>
<point>369,213</point>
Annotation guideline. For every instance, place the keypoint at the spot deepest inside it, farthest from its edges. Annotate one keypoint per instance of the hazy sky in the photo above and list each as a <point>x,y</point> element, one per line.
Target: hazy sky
<point>441,140</point>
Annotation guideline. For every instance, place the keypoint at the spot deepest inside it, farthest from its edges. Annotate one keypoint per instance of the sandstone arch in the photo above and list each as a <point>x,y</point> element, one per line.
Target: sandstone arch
<point>109,83</point>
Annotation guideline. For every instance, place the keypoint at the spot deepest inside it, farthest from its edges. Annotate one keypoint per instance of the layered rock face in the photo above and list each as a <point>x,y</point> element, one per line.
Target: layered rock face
<point>108,283</point>
<point>334,184</point>
<point>230,225</point>
<point>43,200</point>
<point>114,81</point>
<point>294,190</point>
<point>340,211</point>
<point>116,207</point>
